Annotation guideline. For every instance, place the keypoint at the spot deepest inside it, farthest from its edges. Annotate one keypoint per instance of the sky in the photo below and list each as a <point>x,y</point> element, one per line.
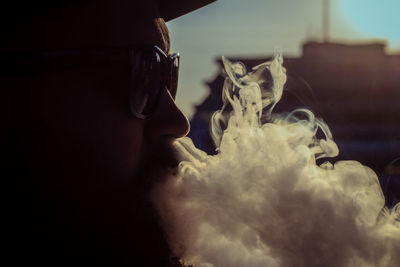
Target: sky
<point>256,28</point>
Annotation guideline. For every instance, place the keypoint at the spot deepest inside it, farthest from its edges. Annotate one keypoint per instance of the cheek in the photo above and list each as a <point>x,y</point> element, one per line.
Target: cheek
<point>87,127</point>
<point>120,146</point>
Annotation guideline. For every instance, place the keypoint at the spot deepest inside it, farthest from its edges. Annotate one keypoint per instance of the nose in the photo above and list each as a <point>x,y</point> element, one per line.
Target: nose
<point>167,119</point>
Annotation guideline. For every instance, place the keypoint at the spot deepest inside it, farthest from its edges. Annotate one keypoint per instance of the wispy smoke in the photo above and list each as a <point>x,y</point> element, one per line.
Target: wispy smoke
<point>263,200</point>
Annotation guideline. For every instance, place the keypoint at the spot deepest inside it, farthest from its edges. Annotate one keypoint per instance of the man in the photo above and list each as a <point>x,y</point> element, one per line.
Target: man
<point>88,106</point>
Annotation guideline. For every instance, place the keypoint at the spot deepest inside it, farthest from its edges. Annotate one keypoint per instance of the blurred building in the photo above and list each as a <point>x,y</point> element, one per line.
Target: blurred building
<point>354,88</point>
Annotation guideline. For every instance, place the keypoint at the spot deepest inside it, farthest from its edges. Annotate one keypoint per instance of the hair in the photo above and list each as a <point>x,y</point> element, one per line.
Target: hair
<point>164,32</point>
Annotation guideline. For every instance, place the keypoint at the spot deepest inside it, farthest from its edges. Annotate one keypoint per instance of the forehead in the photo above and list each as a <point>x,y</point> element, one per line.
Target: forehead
<point>89,24</point>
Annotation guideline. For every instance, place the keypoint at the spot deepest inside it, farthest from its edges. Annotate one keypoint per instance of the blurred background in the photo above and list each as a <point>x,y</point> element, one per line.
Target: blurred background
<point>342,59</point>
<point>255,28</point>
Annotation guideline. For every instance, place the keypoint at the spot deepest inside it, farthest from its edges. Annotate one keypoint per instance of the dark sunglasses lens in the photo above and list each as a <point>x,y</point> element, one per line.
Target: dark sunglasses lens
<point>152,72</point>
<point>144,89</point>
<point>173,79</point>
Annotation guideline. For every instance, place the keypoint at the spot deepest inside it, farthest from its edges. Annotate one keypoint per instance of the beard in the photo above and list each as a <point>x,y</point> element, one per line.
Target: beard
<point>159,161</point>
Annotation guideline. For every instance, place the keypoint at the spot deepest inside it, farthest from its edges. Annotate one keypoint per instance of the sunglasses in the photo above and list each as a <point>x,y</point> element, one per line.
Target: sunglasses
<point>151,70</point>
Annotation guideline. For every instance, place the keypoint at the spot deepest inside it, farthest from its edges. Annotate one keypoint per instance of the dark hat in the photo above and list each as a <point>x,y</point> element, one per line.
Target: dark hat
<point>171,9</point>
<point>69,24</point>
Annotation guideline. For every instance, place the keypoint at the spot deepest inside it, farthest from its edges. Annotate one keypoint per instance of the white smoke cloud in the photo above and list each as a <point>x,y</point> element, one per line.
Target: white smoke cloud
<point>263,200</point>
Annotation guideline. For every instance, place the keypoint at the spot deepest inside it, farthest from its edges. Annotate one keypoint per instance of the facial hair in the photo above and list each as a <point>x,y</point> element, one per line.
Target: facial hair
<point>158,162</point>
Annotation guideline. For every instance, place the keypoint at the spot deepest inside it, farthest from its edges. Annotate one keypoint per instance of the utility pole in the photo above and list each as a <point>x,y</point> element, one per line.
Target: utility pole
<point>325,20</point>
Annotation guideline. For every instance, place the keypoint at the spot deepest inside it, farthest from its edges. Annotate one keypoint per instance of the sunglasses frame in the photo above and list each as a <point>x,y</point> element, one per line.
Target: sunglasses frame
<point>165,76</point>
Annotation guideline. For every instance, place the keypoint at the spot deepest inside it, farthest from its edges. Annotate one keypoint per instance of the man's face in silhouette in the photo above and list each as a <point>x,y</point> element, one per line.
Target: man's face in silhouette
<point>88,159</point>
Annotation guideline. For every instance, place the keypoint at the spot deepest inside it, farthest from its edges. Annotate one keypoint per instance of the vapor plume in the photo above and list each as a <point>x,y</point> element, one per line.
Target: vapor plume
<point>262,200</point>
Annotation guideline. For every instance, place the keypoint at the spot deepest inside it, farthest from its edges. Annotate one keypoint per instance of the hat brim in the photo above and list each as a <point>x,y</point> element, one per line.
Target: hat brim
<point>171,9</point>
